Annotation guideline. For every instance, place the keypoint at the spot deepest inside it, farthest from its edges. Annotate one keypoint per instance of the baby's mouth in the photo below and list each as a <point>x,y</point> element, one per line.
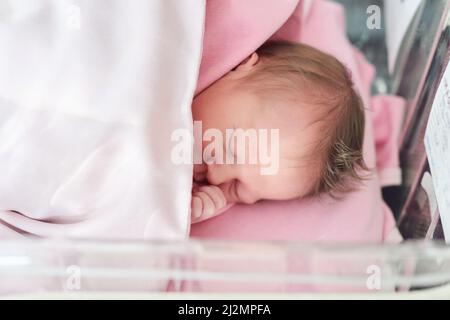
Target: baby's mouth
<point>200,172</point>
<point>200,177</point>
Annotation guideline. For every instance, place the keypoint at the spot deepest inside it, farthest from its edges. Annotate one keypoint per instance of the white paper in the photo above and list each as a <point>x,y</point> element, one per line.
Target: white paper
<point>398,15</point>
<point>437,144</point>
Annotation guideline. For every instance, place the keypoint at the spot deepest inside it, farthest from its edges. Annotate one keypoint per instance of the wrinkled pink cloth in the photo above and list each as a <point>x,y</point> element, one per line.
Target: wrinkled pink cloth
<point>234,29</point>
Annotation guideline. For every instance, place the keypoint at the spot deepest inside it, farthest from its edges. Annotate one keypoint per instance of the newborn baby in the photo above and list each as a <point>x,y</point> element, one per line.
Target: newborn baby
<point>308,97</point>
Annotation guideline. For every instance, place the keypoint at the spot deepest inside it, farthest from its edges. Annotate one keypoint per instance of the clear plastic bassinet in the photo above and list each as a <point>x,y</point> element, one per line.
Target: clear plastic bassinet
<point>56,268</point>
<point>78,269</point>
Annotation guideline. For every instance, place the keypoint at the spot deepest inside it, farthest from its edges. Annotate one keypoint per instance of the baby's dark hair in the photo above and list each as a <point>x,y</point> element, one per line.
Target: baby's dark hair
<point>328,84</point>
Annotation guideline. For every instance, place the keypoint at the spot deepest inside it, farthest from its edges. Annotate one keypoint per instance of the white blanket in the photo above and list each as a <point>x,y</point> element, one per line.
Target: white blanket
<point>90,93</point>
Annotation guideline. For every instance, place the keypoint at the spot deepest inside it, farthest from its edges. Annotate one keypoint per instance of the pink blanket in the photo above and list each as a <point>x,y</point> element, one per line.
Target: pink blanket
<point>234,29</point>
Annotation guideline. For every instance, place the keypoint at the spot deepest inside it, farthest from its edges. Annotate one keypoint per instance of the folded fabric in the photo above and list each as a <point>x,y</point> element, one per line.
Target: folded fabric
<point>362,216</point>
<point>90,94</point>
<point>233,30</point>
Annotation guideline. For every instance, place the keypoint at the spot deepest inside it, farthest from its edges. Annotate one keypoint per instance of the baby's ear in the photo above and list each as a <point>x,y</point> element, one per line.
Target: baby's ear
<point>249,63</point>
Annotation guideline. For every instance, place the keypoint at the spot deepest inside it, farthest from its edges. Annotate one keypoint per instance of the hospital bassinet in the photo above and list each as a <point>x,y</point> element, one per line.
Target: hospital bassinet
<point>56,268</point>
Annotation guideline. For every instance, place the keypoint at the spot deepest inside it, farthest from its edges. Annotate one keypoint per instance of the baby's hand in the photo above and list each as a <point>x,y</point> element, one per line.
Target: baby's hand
<point>206,202</point>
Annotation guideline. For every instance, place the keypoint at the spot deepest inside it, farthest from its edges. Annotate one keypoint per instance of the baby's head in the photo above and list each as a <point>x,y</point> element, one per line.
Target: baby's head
<point>306,94</point>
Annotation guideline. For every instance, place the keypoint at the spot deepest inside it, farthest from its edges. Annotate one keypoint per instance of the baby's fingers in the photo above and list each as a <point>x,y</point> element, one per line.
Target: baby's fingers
<point>196,208</point>
<point>208,204</point>
<point>216,196</point>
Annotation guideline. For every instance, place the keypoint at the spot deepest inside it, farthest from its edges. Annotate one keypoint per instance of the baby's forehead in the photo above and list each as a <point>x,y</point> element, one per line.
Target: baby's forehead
<point>297,110</point>
<point>300,128</point>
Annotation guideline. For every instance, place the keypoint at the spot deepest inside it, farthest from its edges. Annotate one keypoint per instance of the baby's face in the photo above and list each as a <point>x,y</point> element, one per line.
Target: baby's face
<point>226,105</point>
